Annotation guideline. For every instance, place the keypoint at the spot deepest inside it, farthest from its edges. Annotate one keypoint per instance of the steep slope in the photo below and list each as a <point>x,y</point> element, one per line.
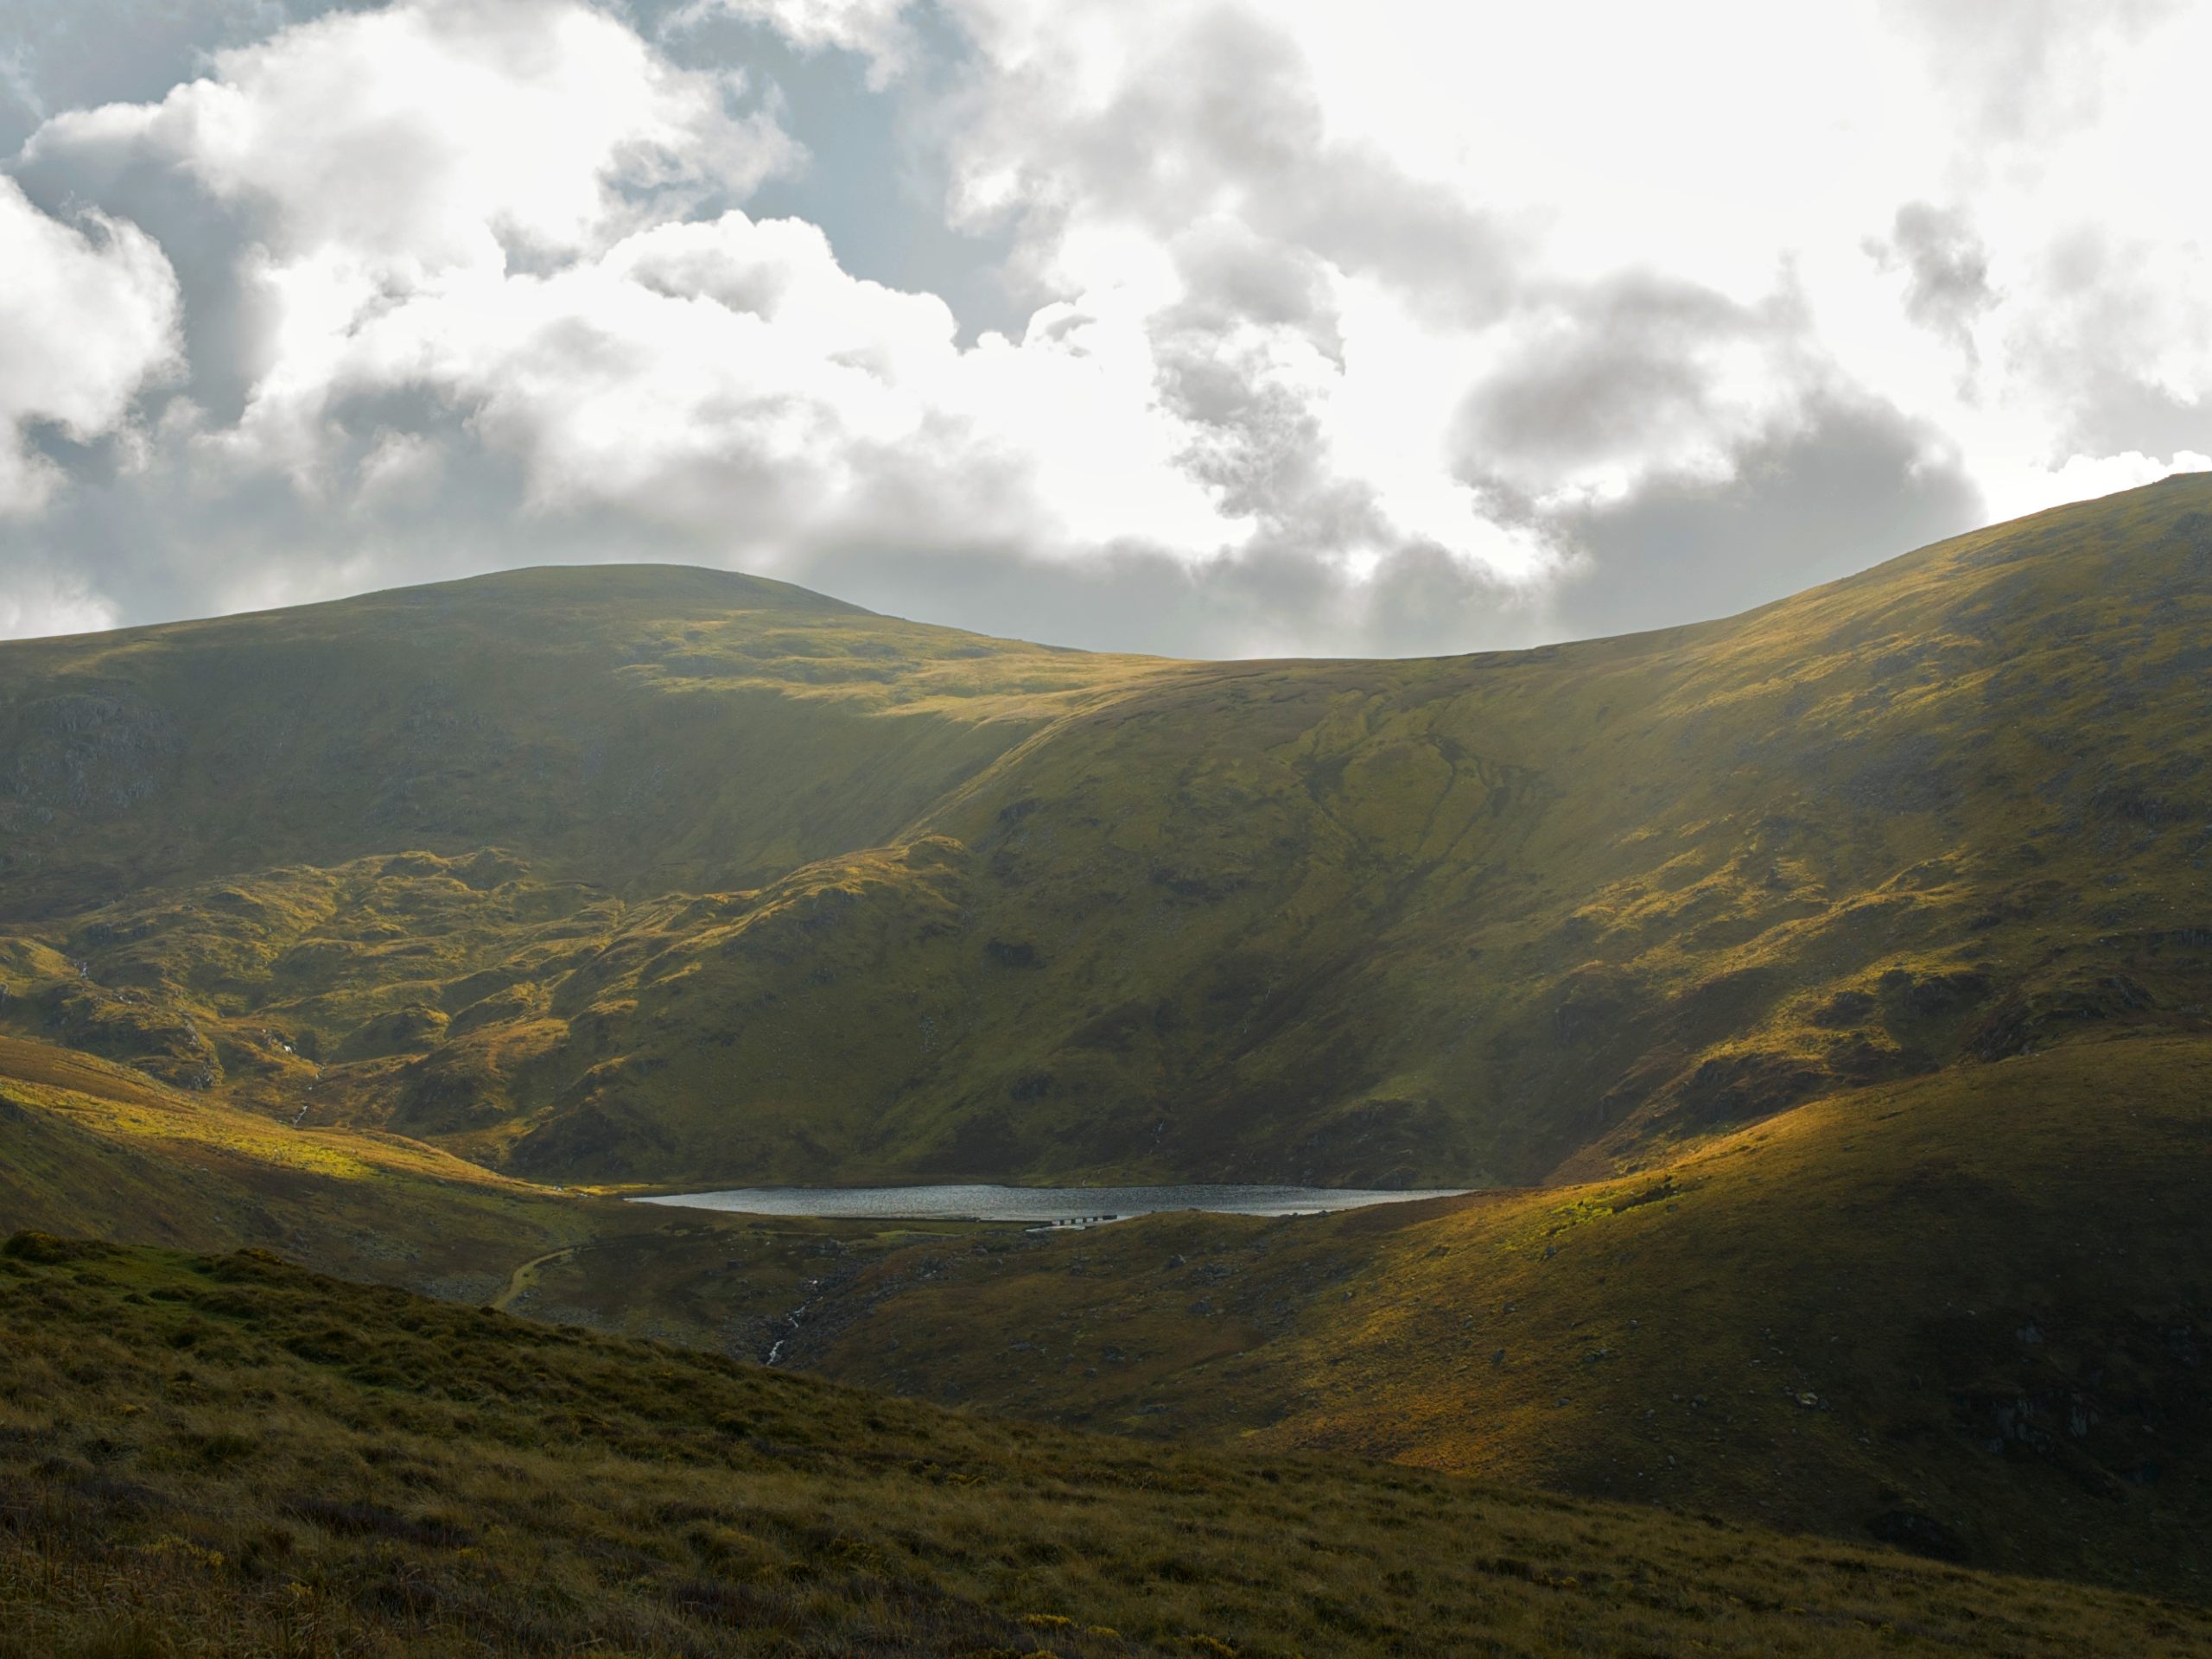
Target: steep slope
<point>1970,1313</point>
<point>1466,918</point>
<point>230,1456</point>
<point>867,900</point>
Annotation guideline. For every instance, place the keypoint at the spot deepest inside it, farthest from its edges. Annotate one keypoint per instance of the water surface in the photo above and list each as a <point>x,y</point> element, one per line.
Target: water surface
<point>1037,1204</point>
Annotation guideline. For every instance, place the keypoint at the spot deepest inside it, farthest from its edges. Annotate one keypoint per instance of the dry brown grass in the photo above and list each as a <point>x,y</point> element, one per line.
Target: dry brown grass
<point>228,1456</point>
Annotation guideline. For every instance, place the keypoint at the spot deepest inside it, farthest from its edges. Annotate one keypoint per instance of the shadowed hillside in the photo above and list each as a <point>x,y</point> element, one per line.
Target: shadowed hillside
<point>651,873</point>
<point>1963,1314</point>
<point>229,1456</point>
<point>96,1148</point>
<point>1969,1313</point>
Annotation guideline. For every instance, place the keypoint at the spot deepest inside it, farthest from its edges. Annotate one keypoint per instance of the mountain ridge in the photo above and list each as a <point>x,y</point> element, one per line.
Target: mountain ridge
<point>774,892</point>
<point>1818,997</point>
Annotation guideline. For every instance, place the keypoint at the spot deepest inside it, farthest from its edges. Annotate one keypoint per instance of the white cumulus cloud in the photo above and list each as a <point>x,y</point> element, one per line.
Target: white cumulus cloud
<point>440,134</point>
<point>1338,328</point>
<point>877,30</point>
<point>88,315</point>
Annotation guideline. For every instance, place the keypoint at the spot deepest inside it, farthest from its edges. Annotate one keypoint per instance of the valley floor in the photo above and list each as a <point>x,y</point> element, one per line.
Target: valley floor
<point>1962,1318</point>
<point>1969,1314</point>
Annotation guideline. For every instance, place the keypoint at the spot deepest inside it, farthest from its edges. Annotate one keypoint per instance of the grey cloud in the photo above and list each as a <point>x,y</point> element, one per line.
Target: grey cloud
<point>2027,68</point>
<point>2094,344</point>
<point>1263,446</point>
<point>1235,276</point>
<point>1225,118</point>
<point>73,55</point>
<point>1622,363</point>
<point>1856,484</point>
<point>2115,412</point>
<point>1219,149</point>
<point>182,537</point>
<point>1947,267</point>
<point>1227,103</point>
<point>1283,602</point>
<point>163,545</point>
<point>1453,265</point>
<point>226,322</point>
<point>1824,483</point>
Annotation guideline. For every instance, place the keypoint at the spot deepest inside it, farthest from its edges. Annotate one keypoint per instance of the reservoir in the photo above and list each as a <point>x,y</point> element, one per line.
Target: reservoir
<point>1063,1205</point>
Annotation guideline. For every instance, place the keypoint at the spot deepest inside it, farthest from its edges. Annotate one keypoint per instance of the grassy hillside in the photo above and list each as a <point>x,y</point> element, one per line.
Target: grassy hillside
<point>1822,994</point>
<point>1994,1284</point>
<point>96,1148</point>
<point>661,874</point>
<point>1969,1313</point>
<point>647,729</point>
<point>229,1456</point>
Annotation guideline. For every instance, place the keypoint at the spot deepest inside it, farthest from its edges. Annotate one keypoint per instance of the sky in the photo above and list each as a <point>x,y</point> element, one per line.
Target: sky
<point>1207,329</point>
